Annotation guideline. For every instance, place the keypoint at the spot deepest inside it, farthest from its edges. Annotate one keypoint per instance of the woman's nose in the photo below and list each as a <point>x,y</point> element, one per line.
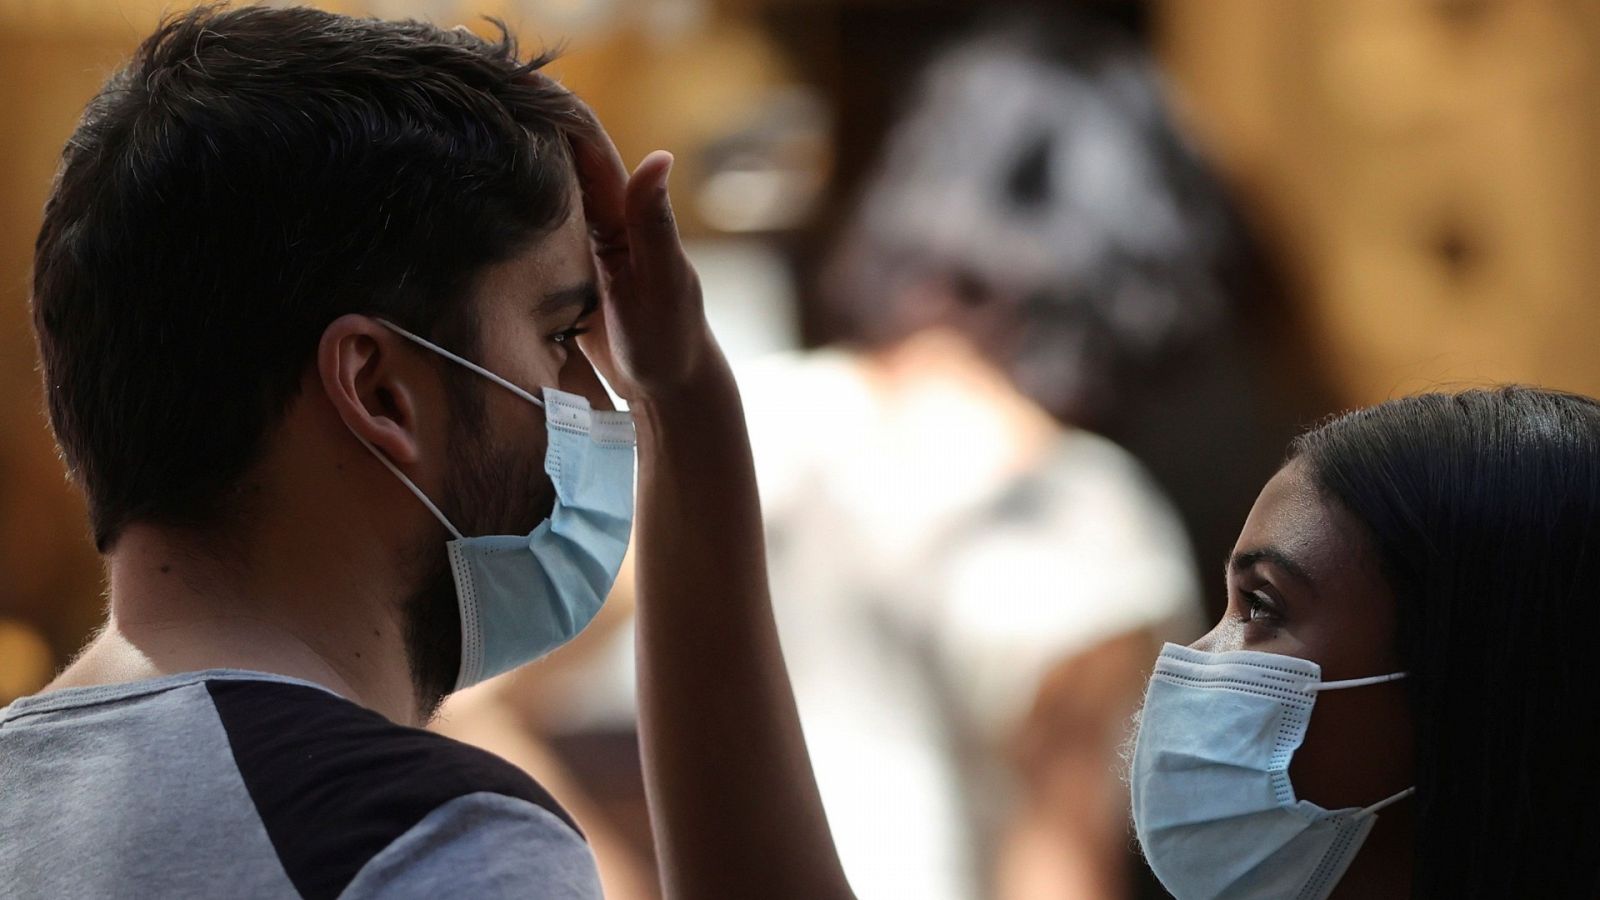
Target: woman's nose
<point>1216,640</point>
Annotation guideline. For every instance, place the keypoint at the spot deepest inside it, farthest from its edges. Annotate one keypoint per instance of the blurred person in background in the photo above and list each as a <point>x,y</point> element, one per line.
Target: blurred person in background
<point>969,583</point>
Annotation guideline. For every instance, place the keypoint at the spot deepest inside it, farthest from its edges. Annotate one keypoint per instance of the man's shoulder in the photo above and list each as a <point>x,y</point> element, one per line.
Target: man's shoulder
<point>335,783</point>
<point>302,747</point>
<point>304,735</point>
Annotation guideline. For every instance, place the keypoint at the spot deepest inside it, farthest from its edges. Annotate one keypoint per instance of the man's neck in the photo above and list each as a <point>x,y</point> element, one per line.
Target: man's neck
<point>174,608</point>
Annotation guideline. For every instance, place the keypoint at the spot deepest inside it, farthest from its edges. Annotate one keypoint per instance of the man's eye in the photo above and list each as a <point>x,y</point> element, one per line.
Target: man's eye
<point>564,336</point>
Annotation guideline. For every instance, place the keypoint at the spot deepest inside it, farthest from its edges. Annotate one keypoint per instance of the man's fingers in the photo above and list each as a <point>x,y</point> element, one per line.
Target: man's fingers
<point>652,229</point>
<point>603,182</point>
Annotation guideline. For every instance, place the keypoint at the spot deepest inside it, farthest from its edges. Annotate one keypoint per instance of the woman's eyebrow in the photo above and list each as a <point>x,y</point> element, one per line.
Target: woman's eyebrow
<point>1244,559</point>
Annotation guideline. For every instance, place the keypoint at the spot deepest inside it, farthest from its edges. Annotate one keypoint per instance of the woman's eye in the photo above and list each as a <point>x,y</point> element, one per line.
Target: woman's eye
<point>1259,606</point>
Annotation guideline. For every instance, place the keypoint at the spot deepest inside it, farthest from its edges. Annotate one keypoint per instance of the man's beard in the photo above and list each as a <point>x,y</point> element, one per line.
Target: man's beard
<point>489,490</point>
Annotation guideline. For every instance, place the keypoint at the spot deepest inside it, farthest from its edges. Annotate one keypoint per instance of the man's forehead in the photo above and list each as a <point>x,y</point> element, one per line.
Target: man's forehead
<point>552,276</point>
<point>582,297</point>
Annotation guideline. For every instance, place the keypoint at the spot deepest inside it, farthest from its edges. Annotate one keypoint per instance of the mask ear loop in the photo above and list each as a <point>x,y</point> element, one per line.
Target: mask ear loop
<point>1384,804</point>
<point>1355,682</point>
<point>1363,682</point>
<point>430,345</point>
<point>409,484</point>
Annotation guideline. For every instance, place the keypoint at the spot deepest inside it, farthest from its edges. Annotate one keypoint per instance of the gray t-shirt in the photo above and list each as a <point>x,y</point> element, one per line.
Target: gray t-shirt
<point>243,785</point>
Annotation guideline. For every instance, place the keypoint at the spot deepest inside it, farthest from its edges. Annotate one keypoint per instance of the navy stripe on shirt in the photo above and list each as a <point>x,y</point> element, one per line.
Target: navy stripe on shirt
<point>335,783</point>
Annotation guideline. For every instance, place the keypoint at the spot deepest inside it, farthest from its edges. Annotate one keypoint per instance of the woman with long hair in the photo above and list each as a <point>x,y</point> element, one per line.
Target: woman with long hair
<point>1398,701</point>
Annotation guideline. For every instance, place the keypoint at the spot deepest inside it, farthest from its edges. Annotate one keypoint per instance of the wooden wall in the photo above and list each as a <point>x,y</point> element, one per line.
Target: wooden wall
<point>49,574</point>
<point>1428,169</point>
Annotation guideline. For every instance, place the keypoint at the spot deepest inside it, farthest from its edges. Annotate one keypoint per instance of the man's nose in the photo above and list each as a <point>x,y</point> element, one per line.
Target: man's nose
<point>579,377</point>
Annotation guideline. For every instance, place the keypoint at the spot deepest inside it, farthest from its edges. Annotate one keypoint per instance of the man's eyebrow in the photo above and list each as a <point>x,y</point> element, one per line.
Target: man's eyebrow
<point>585,295</point>
<point>1238,562</point>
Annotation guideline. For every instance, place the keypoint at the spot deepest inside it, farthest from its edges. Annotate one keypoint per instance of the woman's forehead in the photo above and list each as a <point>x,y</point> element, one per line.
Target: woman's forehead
<point>1306,530</point>
<point>1314,549</point>
<point>1290,518</point>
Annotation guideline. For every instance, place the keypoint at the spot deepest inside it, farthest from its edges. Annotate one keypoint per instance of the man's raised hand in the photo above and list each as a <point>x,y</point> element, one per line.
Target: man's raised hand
<point>651,339</point>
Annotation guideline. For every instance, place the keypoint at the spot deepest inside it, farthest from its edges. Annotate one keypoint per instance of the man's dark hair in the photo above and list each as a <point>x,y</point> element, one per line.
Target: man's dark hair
<point>248,177</point>
<point>1484,511</point>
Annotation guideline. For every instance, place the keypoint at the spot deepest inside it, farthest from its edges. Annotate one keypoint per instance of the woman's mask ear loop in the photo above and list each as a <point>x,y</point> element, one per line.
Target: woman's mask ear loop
<point>1363,682</point>
<point>1384,804</point>
<point>1355,682</point>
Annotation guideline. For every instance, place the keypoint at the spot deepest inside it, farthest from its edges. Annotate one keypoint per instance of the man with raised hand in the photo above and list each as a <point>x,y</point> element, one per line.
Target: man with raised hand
<point>317,300</point>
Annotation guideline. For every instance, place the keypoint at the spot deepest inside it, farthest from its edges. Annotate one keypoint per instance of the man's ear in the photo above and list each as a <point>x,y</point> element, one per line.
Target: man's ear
<point>359,367</point>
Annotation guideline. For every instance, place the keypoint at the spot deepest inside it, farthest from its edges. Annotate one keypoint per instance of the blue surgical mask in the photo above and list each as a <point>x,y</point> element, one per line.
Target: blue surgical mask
<point>521,596</point>
<point>1212,805</point>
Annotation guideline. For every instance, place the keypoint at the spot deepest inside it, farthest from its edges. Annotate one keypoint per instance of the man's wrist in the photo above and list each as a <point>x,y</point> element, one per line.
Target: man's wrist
<point>703,397</point>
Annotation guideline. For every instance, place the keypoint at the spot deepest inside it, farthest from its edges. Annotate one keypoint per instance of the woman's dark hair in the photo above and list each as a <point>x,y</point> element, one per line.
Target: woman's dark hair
<point>249,176</point>
<point>1484,510</point>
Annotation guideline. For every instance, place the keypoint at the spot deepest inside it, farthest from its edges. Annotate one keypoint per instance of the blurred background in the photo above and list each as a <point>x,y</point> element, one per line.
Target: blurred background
<point>1026,301</point>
